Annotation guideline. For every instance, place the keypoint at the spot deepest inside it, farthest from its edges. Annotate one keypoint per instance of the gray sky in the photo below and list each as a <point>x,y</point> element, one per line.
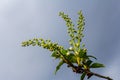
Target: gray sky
<point>21,20</point>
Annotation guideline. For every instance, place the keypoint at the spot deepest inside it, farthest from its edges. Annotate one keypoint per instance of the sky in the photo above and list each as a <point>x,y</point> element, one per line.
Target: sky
<point>22,20</point>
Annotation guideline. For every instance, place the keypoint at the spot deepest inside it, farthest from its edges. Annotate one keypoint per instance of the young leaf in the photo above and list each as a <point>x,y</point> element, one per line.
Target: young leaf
<point>88,62</point>
<point>96,65</point>
<point>83,55</point>
<point>92,56</point>
<point>55,55</point>
<point>59,65</point>
<point>72,58</point>
<point>64,52</point>
<point>83,76</point>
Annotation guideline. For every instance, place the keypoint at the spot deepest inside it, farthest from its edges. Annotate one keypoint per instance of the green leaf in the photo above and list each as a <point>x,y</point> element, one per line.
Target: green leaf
<point>92,56</point>
<point>63,51</point>
<point>88,62</point>
<point>83,55</point>
<point>59,65</point>
<point>96,65</point>
<point>72,58</point>
<point>55,54</point>
<point>83,76</point>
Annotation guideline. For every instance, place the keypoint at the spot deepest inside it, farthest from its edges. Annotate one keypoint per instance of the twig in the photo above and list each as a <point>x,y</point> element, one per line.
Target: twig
<point>101,76</point>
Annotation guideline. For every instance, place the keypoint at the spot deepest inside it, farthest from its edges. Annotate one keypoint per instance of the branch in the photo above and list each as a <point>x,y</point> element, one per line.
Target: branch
<point>80,70</point>
<point>89,73</point>
<point>101,76</point>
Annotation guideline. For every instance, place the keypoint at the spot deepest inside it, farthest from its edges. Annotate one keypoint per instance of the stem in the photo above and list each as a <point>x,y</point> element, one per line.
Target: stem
<point>67,61</point>
<point>101,76</point>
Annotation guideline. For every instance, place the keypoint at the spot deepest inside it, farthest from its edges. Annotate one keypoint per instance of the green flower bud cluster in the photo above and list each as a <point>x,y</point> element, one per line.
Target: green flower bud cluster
<point>67,19</point>
<point>70,25</point>
<point>80,27</point>
<point>80,24</point>
<point>76,34</point>
<point>47,44</point>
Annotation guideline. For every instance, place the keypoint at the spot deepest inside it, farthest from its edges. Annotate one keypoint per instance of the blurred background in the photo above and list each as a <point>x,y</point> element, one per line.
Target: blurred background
<point>21,20</point>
